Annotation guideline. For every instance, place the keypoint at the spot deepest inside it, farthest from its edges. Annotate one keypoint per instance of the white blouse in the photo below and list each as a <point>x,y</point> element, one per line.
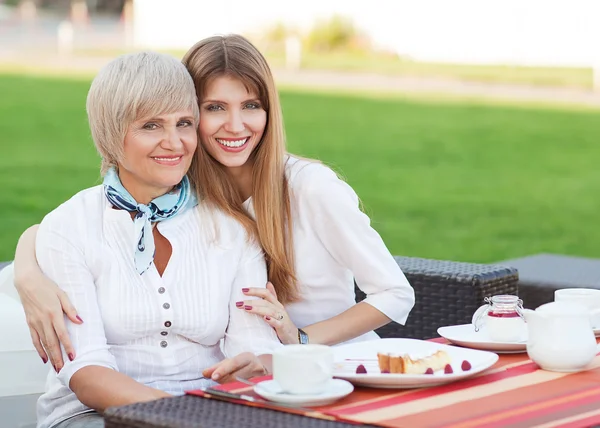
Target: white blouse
<point>161,331</point>
<point>335,245</point>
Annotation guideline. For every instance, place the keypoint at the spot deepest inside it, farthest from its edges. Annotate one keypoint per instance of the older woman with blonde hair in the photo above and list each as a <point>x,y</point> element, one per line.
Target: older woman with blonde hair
<point>155,273</point>
<point>317,241</point>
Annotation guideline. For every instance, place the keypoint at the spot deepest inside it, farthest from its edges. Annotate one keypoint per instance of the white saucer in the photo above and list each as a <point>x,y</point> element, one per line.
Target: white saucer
<point>337,388</point>
<point>465,335</point>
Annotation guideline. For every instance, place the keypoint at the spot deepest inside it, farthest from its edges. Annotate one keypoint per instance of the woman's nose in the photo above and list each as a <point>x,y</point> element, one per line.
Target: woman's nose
<point>235,123</point>
<point>172,139</point>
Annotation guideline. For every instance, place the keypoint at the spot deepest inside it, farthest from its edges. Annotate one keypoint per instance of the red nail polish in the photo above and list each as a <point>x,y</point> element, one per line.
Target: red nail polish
<point>239,304</point>
<point>56,369</point>
<point>79,318</point>
<point>71,357</point>
<point>245,290</point>
<point>268,318</point>
<point>45,360</point>
<point>247,307</point>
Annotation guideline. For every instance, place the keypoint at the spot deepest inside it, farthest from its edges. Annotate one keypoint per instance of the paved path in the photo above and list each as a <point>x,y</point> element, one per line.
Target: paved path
<point>341,80</point>
<point>424,85</point>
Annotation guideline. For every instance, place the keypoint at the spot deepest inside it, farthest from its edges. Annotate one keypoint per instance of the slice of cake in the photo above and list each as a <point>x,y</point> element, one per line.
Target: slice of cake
<point>393,363</point>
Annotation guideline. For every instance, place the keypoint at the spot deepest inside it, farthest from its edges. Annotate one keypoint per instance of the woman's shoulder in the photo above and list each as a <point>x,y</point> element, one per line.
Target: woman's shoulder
<point>87,203</point>
<point>302,173</point>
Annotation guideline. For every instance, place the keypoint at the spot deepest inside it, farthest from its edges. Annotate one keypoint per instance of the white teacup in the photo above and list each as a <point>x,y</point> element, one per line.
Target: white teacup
<point>303,369</point>
<point>588,297</point>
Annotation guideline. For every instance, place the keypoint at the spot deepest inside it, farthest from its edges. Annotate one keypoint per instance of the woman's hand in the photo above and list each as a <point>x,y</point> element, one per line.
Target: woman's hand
<point>272,312</point>
<point>244,365</point>
<point>44,303</point>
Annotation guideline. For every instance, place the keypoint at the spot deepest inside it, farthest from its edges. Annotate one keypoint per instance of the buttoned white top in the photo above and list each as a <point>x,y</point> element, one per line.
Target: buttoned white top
<point>335,245</point>
<point>161,331</point>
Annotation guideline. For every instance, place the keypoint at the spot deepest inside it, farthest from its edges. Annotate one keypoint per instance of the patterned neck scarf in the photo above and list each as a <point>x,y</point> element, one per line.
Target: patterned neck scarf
<point>162,208</point>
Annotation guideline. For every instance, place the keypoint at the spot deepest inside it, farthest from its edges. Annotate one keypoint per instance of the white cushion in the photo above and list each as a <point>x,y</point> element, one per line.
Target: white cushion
<point>7,285</point>
<point>21,369</point>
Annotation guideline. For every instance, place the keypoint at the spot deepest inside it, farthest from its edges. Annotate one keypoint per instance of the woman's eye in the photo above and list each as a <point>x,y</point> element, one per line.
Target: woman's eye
<point>252,106</point>
<point>185,123</point>
<point>150,126</point>
<point>214,107</point>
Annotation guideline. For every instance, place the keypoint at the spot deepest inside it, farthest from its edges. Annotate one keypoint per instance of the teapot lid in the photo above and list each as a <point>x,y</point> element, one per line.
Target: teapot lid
<point>562,308</point>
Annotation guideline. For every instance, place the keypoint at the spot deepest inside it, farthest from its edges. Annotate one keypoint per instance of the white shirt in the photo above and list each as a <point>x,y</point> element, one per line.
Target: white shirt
<point>335,245</point>
<point>161,331</point>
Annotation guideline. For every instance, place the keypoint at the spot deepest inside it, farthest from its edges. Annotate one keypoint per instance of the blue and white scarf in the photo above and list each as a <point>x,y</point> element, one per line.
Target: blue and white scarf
<point>162,208</point>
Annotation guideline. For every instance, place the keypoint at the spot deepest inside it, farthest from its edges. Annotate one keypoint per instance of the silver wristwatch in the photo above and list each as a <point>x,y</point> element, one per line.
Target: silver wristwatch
<point>302,337</point>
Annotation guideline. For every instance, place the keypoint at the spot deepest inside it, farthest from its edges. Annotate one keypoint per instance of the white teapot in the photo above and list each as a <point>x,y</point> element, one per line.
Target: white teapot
<point>561,338</point>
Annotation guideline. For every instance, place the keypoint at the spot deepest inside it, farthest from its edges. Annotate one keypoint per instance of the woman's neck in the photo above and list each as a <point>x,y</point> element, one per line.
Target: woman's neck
<point>242,177</point>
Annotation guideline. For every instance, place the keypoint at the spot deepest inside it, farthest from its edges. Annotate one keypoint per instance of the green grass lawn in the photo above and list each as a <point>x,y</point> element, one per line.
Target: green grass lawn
<point>450,180</point>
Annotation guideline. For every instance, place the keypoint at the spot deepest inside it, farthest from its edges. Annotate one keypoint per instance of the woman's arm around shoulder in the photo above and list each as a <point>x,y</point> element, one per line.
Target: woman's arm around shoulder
<point>43,302</point>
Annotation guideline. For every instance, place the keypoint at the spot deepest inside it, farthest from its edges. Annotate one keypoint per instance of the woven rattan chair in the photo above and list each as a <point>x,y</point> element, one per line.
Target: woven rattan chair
<point>447,293</point>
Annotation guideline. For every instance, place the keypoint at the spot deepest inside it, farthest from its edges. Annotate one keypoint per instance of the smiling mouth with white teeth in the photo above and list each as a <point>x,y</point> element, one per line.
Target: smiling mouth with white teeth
<point>168,161</point>
<point>234,144</point>
<point>171,159</point>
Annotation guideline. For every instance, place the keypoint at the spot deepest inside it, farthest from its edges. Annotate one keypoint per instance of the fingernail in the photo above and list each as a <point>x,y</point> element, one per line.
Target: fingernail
<point>45,360</point>
<point>56,369</point>
<point>247,307</point>
<point>71,357</point>
<point>216,376</point>
<point>245,290</point>
<point>79,318</point>
<point>239,304</point>
<point>268,318</point>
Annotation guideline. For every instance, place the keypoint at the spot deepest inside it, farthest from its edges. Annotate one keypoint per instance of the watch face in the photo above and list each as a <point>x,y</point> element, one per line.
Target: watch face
<point>302,337</point>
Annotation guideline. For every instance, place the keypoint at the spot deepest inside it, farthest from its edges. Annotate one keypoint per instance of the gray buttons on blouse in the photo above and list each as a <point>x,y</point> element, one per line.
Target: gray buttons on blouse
<point>161,290</point>
<point>166,305</point>
<point>164,343</point>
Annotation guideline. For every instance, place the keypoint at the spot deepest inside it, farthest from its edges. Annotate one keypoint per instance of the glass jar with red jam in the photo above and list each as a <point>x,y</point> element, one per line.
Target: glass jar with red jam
<point>501,318</point>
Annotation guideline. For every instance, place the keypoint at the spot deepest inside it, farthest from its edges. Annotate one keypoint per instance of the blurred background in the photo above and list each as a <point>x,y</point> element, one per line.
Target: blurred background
<point>470,129</point>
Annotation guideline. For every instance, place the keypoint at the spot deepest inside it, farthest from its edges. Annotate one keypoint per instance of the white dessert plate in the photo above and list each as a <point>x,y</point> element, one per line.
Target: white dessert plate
<point>465,335</point>
<point>336,389</point>
<point>349,357</point>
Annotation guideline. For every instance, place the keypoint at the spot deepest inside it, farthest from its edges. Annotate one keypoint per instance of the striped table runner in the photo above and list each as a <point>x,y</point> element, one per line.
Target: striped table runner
<point>515,392</point>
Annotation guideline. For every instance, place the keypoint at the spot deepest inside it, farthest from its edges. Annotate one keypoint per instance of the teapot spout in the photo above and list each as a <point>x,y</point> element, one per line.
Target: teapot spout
<point>534,319</point>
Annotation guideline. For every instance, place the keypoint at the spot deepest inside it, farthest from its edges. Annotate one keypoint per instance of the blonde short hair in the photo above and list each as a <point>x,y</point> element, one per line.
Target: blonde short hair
<point>131,87</point>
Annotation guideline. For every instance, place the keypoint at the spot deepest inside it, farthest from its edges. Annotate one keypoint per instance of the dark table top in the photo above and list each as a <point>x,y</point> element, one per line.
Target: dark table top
<point>197,412</point>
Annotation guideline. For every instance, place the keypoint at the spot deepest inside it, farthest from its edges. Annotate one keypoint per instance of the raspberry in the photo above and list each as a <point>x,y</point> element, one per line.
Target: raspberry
<point>448,369</point>
<point>429,371</point>
<point>465,365</point>
<point>361,369</point>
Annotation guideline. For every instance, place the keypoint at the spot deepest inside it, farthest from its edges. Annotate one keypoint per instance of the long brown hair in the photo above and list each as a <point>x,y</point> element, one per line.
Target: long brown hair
<point>236,57</point>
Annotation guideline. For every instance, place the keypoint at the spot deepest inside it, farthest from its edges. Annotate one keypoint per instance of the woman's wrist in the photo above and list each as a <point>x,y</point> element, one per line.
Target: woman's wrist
<point>25,277</point>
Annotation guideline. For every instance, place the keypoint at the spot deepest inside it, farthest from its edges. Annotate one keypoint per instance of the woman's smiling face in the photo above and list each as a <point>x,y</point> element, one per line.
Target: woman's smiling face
<point>232,121</point>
